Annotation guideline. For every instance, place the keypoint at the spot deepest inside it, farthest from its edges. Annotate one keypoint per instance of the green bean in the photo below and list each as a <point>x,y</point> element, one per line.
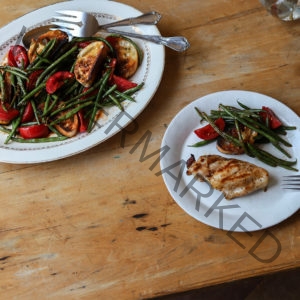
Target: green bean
<point>50,68</point>
<point>4,129</point>
<point>54,130</point>
<point>68,106</point>
<point>21,85</point>
<point>223,134</point>
<point>29,123</point>
<point>280,130</point>
<point>71,88</point>
<point>267,131</point>
<point>51,106</point>
<point>277,159</point>
<point>15,124</point>
<point>16,71</point>
<point>110,90</point>
<point>32,93</point>
<point>13,69</point>
<point>273,139</point>
<point>70,113</point>
<point>116,102</point>
<point>254,151</point>
<point>202,143</point>
<point>242,105</point>
<point>48,98</point>
<point>124,96</point>
<point>271,159</point>
<point>103,81</point>
<point>134,89</point>
<point>2,88</point>
<point>42,57</point>
<point>13,80</point>
<point>85,93</point>
<point>35,111</point>
<point>40,140</point>
<point>238,129</point>
<point>288,127</point>
<point>15,97</point>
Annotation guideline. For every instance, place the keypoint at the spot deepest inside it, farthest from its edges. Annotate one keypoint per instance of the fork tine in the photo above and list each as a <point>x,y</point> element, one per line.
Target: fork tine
<point>66,19</point>
<point>291,178</point>
<point>291,182</point>
<point>68,30</point>
<point>70,15</point>
<point>67,26</point>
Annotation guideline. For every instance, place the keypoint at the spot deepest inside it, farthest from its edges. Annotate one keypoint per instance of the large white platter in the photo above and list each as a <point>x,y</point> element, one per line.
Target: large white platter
<point>150,72</point>
<point>256,211</point>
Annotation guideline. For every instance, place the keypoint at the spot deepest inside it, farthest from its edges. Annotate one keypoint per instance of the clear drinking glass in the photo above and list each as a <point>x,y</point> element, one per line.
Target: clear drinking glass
<point>286,10</point>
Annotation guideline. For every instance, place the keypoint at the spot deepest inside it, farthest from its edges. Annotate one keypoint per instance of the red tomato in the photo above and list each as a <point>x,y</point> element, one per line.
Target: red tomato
<point>7,114</point>
<point>32,79</point>
<point>268,116</point>
<point>112,65</point>
<point>207,132</point>
<point>122,83</point>
<point>57,80</point>
<point>112,40</point>
<point>34,131</point>
<point>17,57</point>
<point>82,122</point>
<point>82,45</point>
<point>28,114</point>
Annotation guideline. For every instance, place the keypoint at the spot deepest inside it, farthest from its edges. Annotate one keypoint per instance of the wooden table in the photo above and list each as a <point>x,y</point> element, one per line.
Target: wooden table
<point>101,225</point>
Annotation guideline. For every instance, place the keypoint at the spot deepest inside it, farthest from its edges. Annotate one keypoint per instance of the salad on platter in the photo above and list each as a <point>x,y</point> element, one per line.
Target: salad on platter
<point>60,87</point>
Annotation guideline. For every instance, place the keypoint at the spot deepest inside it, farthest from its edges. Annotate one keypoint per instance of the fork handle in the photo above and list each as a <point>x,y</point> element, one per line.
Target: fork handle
<point>150,18</point>
<point>177,43</point>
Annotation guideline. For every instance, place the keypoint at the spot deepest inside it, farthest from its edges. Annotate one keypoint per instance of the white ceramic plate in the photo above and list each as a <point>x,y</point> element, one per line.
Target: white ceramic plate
<point>150,72</point>
<point>250,213</point>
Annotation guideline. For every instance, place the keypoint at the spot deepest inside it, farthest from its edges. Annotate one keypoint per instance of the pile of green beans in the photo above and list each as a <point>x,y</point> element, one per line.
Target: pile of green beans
<point>250,118</point>
<point>51,109</point>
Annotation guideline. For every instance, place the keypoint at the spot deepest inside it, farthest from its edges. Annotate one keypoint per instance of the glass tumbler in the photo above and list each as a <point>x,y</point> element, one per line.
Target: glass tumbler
<point>286,10</point>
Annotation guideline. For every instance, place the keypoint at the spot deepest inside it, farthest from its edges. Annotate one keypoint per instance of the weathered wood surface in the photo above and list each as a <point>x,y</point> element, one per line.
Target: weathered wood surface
<point>101,225</point>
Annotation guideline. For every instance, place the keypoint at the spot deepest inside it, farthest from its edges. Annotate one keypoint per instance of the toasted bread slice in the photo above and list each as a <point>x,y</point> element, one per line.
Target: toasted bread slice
<point>89,61</point>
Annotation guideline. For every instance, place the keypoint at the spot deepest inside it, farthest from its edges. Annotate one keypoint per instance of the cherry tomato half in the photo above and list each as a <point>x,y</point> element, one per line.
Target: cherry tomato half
<point>207,132</point>
<point>34,131</point>
<point>17,57</point>
<point>33,77</point>
<point>28,114</point>
<point>112,66</point>
<point>83,44</point>
<point>122,83</point>
<point>7,115</point>
<point>57,80</point>
<point>83,125</point>
<point>269,117</point>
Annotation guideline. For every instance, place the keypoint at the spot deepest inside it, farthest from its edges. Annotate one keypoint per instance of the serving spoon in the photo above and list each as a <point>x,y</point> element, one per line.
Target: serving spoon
<point>150,18</point>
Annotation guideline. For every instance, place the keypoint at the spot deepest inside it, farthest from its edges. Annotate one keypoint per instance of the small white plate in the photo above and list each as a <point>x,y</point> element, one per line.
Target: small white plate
<point>253,212</point>
<point>150,72</point>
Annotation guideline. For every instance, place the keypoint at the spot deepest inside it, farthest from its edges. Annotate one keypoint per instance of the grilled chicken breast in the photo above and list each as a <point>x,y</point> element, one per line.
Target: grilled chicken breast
<point>235,178</point>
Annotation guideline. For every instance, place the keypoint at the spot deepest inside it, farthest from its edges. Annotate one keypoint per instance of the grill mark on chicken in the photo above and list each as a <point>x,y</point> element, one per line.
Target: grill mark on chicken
<point>235,178</point>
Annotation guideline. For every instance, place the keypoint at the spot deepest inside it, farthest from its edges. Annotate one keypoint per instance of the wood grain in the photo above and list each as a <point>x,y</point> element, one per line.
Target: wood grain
<point>102,224</point>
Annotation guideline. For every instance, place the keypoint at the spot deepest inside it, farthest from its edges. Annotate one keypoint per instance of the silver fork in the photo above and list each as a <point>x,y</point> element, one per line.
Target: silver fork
<point>79,23</point>
<point>291,182</point>
<point>82,24</point>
